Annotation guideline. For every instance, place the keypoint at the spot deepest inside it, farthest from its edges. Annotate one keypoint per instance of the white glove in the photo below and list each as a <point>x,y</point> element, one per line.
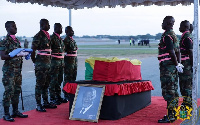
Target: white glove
<point>179,68</point>
<point>22,53</point>
<point>179,64</point>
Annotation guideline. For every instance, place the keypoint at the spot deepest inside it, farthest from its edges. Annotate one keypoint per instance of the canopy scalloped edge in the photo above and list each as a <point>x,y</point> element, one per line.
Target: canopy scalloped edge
<point>81,4</point>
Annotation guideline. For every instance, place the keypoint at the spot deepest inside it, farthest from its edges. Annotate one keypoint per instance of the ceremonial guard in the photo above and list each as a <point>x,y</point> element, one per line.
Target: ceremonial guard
<point>169,62</point>
<point>70,60</point>
<point>12,77</point>
<point>42,43</point>
<point>26,43</point>
<point>57,65</point>
<point>186,48</point>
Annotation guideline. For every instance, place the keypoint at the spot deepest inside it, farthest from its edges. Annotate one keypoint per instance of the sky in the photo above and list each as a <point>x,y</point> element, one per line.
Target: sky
<point>96,21</point>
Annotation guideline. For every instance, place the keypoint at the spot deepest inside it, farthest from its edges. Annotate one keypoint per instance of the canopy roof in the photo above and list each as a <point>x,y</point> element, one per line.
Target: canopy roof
<point>80,4</point>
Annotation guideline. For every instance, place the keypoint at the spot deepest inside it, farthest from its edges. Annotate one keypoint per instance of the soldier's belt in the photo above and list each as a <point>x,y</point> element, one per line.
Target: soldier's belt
<point>46,52</point>
<point>58,55</point>
<point>185,57</point>
<point>71,53</point>
<point>163,57</point>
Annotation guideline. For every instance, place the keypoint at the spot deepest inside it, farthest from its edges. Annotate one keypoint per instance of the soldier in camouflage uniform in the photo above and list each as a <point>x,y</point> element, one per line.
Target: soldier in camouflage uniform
<point>186,47</point>
<point>26,43</point>
<point>41,43</point>
<point>70,68</point>
<point>12,77</point>
<point>169,58</point>
<point>57,65</point>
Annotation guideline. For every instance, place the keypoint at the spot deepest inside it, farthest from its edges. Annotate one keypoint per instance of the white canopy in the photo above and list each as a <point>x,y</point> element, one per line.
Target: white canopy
<point>80,4</point>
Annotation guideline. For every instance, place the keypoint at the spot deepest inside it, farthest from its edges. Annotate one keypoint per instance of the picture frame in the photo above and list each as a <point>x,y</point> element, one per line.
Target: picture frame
<point>87,102</point>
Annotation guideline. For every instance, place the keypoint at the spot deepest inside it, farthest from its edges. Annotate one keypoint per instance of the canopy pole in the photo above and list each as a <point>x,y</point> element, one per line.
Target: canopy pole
<point>70,18</point>
<point>195,62</point>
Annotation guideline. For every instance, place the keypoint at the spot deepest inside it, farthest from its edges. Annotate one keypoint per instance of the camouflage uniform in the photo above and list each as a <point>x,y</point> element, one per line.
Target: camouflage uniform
<point>57,65</point>
<point>26,43</point>
<point>168,72</point>
<point>12,77</point>
<point>185,78</point>
<point>42,66</point>
<point>70,69</point>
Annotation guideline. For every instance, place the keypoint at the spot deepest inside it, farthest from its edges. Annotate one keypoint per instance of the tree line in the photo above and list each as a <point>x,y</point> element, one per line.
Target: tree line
<point>138,37</point>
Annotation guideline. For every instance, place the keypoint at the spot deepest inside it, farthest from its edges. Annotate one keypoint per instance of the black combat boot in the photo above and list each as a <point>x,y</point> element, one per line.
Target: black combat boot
<point>59,99</point>
<point>168,118</point>
<point>39,107</point>
<point>49,105</point>
<point>16,112</point>
<point>7,116</point>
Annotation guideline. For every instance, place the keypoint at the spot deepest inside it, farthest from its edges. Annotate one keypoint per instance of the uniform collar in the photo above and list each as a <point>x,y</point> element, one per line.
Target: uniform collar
<point>14,38</point>
<point>47,34</point>
<point>184,33</point>
<point>58,35</point>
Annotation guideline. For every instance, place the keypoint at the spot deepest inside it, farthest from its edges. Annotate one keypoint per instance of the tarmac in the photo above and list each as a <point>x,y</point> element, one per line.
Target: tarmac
<point>149,71</point>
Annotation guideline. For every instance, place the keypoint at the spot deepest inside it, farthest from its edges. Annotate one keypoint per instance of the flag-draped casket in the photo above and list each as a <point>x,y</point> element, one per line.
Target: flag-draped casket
<point>112,69</point>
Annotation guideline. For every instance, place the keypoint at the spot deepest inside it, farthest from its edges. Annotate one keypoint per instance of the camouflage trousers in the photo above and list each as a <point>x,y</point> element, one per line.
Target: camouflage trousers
<point>70,69</point>
<point>12,81</point>
<point>169,84</point>
<point>42,83</point>
<point>185,82</point>
<point>56,71</point>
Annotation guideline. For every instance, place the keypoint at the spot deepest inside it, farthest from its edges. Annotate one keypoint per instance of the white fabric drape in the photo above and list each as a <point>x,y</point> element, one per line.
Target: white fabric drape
<point>80,4</point>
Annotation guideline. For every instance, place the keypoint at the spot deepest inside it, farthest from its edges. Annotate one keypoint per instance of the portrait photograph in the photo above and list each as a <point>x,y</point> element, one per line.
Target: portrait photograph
<point>87,102</point>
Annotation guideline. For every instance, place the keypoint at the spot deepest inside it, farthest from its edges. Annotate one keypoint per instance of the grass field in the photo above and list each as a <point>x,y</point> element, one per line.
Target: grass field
<point>152,45</point>
<point>119,50</point>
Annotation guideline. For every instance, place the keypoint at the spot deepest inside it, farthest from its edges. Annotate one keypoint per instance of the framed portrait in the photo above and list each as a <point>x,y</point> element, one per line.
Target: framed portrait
<point>87,102</point>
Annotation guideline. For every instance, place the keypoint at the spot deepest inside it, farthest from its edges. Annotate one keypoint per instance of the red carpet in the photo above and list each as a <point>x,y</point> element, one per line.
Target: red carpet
<point>59,116</point>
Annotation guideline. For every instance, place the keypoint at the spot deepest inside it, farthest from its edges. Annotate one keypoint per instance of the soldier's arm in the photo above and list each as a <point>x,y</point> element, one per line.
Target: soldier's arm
<point>189,47</point>
<point>170,48</point>
<point>173,57</point>
<point>66,44</point>
<point>34,46</point>
<point>191,56</point>
<point>3,54</point>
<point>52,42</point>
<point>178,55</point>
<point>33,53</point>
<point>73,46</point>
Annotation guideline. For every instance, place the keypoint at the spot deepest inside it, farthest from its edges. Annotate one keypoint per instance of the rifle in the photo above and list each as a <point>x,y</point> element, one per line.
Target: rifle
<point>22,100</point>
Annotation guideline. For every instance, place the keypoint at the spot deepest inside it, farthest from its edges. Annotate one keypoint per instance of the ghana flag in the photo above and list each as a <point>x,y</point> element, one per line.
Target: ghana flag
<point>112,69</point>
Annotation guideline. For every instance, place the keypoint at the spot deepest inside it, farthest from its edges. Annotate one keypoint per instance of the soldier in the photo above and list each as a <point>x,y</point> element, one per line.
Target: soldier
<point>26,43</point>
<point>12,77</point>
<point>70,68</point>
<point>169,62</point>
<point>41,43</point>
<point>186,48</point>
<point>57,65</point>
